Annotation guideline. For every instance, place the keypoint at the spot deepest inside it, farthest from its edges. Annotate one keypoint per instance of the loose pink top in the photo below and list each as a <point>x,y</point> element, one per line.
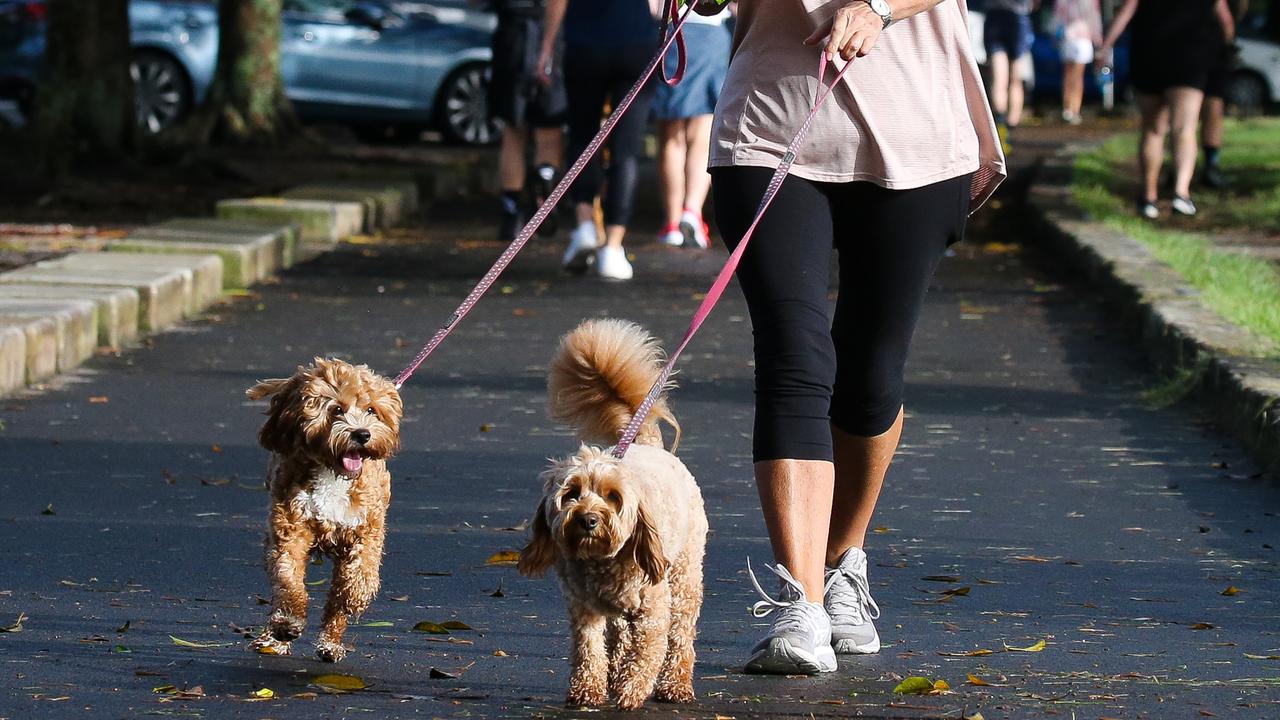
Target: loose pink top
<point>910,113</point>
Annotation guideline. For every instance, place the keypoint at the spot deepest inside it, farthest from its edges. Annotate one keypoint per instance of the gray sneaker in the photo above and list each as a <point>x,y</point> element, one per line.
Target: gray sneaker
<point>799,643</point>
<point>848,603</point>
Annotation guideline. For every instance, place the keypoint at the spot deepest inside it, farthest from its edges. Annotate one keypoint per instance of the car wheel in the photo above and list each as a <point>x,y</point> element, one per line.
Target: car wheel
<point>161,91</point>
<point>463,107</point>
<point>1248,93</point>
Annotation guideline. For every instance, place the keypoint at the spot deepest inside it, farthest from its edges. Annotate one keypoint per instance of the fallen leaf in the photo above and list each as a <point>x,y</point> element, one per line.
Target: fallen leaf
<point>914,686</point>
<point>123,628</point>
<point>304,696</point>
<point>48,510</point>
<point>881,530</point>
<point>455,625</point>
<point>340,683</point>
<point>486,427</point>
<point>187,643</point>
<point>16,626</point>
<point>161,689</point>
<point>437,674</point>
<point>321,581</point>
<point>498,593</point>
<point>975,716</point>
<point>399,598</point>
<point>942,578</point>
<point>263,693</point>
<point>1030,558</point>
<point>1251,656</point>
<point>1037,647</point>
<point>1203,626</point>
<point>427,626</point>
<point>975,680</point>
<point>378,623</point>
<point>971,653</point>
<point>503,557</point>
<point>499,653</point>
<point>1231,590</point>
<point>99,400</point>
<point>268,649</point>
<point>122,650</point>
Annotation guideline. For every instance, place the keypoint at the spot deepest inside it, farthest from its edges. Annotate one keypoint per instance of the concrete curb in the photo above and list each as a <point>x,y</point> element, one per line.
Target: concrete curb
<point>1236,379</point>
<point>321,221</point>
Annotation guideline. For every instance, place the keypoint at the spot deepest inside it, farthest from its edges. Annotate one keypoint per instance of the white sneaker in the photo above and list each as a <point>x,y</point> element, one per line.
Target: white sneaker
<point>799,643</point>
<point>848,603</point>
<point>1184,206</point>
<point>612,263</point>
<point>694,230</point>
<point>583,242</point>
<point>672,236</point>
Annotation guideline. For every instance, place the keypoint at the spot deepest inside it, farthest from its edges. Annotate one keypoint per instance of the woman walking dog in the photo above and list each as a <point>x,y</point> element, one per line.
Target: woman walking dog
<point>896,160</point>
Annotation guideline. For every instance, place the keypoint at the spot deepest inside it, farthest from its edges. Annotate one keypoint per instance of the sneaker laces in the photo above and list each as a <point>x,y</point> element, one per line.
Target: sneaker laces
<point>766,606</point>
<point>858,602</point>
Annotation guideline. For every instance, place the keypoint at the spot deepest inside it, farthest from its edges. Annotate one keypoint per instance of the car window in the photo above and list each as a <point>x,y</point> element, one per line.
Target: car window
<point>327,9</point>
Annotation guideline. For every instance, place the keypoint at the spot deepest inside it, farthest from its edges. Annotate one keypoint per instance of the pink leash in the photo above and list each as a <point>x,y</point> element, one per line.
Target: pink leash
<point>731,265</point>
<point>672,35</point>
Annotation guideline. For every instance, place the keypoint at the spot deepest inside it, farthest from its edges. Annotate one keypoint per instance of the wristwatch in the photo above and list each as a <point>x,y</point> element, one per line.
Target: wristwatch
<point>881,8</point>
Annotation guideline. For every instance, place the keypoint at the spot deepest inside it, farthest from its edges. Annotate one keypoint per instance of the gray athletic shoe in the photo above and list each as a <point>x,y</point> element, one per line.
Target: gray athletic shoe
<point>799,643</point>
<point>849,605</point>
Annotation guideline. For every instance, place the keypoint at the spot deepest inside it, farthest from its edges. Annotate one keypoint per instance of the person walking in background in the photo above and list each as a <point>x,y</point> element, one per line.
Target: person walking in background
<point>526,107</point>
<point>1078,28</point>
<point>607,44</point>
<point>896,160</point>
<point>684,115</point>
<point>1171,50</point>
<point>1007,36</point>
<point>1213,114</point>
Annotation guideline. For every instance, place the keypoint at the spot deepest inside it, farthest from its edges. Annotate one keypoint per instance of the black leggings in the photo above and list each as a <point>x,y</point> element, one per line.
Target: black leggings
<point>813,372</point>
<point>593,75</point>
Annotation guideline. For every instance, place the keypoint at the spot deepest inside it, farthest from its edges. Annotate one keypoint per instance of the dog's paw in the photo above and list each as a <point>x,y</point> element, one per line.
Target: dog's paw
<point>286,628</point>
<point>265,644</point>
<point>679,693</point>
<point>582,697</point>
<point>330,652</point>
<point>631,700</point>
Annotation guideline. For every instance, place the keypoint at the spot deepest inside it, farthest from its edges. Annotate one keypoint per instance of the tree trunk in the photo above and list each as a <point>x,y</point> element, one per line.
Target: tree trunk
<point>84,106</point>
<point>246,103</point>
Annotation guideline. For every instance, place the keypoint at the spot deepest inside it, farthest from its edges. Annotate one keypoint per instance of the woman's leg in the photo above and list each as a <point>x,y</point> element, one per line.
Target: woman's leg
<point>784,277</point>
<point>1155,125</point>
<point>697,181</point>
<point>627,142</point>
<point>671,168</point>
<point>1072,87</point>
<point>1016,89</point>
<point>1184,113</point>
<point>890,244</point>
<point>999,63</point>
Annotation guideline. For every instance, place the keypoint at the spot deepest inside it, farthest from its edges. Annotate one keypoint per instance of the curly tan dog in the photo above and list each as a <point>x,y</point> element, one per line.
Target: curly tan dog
<point>626,536</point>
<point>330,429</point>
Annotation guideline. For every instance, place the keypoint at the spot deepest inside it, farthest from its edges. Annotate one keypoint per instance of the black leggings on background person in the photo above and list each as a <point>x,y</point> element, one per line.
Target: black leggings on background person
<point>594,75</point>
<point>815,370</point>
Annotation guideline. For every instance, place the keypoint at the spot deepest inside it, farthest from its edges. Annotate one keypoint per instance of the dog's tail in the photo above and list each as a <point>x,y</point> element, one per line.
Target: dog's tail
<point>600,375</point>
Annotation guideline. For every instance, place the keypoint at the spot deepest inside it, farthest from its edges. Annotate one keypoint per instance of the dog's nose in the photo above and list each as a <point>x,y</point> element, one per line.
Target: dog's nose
<point>589,521</point>
<point>360,436</point>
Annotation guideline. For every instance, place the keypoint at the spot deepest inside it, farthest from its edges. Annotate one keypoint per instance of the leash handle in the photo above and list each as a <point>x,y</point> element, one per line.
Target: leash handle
<point>731,265</point>
<point>549,204</point>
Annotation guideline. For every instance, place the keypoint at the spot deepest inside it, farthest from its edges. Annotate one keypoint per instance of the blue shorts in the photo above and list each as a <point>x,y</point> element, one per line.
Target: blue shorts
<point>708,64</point>
<point>1007,32</point>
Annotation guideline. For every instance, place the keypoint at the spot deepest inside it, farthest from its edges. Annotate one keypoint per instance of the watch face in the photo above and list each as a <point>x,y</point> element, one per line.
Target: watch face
<point>881,7</point>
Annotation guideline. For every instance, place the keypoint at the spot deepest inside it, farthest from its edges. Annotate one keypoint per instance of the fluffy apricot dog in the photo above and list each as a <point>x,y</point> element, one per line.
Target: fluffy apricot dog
<point>626,537</point>
<point>330,429</point>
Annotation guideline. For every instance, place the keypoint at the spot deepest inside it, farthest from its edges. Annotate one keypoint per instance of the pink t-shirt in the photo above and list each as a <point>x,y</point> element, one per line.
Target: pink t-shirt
<point>910,113</point>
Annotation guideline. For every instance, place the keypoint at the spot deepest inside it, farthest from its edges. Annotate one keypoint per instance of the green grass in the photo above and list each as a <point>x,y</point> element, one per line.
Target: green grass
<point>1244,290</point>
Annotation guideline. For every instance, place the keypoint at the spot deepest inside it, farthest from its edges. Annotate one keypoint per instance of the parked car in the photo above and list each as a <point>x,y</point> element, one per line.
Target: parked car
<point>1256,83</point>
<point>382,67</point>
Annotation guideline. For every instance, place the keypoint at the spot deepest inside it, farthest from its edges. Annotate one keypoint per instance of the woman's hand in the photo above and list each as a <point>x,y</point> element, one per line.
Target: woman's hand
<point>852,32</point>
<point>542,70</point>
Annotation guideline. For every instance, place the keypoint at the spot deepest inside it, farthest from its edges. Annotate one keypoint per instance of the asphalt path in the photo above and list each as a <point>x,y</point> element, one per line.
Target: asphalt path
<point>1037,498</point>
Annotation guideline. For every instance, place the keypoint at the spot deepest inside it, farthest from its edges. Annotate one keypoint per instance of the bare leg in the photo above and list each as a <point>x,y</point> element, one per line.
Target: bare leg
<point>796,497</point>
<point>999,64</point>
<point>1155,125</point>
<point>548,146</point>
<point>511,159</point>
<point>1072,87</point>
<point>1212,120</point>
<point>697,181</point>
<point>1184,103</point>
<point>589,681</point>
<point>1016,89</point>
<point>671,164</point>
<point>861,464</point>
<point>613,235</point>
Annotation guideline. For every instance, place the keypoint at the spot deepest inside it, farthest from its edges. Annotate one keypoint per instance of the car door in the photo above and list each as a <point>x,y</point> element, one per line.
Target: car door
<point>339,66</point>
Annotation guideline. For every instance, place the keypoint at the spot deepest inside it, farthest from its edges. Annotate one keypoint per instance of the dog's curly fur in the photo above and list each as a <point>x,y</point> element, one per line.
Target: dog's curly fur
<point>330,429</point>
<point>626,537</point>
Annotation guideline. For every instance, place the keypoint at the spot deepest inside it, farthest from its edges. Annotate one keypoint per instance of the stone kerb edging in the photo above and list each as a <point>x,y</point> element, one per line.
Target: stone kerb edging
<point>1239,386</point>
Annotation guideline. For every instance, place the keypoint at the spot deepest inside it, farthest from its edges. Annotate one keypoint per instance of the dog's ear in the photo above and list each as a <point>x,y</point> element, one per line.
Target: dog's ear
<point>540,553</point>
<point>646,548</point>
<point>281,430</point>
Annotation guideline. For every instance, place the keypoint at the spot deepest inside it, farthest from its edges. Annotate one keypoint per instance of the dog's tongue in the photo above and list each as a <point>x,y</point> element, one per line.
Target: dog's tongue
<point>351,462</point>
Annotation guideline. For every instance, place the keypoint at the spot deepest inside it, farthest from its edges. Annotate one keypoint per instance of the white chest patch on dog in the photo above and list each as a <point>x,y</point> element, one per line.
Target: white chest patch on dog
<point>328,500</point>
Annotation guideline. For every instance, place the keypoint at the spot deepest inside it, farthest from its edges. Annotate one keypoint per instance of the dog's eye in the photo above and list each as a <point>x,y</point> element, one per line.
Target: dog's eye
<point>615,498</point>
<point>570,495</point>
<point>371,411</point>
<point>337,411</point>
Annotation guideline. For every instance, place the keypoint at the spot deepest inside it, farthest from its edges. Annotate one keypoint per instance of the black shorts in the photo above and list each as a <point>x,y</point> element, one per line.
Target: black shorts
<point>1220,73</point>
<point>515,97</point>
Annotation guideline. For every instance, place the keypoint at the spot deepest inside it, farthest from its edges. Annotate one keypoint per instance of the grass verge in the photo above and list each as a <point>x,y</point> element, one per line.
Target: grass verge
<point>1243,289</point>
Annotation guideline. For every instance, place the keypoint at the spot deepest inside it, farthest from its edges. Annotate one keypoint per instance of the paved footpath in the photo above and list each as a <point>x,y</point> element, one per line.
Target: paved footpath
<point>1036,499</point>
